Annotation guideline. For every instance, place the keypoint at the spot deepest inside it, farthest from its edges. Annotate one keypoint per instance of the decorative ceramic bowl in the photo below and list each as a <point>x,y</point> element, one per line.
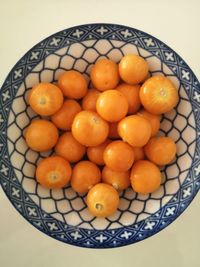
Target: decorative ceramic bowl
<point>62,214</point>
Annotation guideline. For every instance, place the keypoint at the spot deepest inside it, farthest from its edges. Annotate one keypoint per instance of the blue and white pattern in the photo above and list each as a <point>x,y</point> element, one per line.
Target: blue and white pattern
<point>62,214</point>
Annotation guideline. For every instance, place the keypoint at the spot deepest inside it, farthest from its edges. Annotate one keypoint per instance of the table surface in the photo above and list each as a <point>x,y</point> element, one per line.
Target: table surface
<point>22,24</point>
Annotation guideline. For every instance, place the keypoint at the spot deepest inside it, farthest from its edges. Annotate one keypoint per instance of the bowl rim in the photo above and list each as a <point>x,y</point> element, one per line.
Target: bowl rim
<point>139,233</point>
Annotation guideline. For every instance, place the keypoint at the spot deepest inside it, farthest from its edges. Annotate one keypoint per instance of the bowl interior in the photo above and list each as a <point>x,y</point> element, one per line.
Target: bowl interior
<point>65,205</point>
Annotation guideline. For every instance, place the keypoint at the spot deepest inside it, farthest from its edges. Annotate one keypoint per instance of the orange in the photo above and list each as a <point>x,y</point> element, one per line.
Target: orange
<point>145,177</point>
<point>104,74</point>
<point>102,200</point>
<point>113,132</point>
<point>133,69</point>
<point>69,148</point>
<point>41,135</point>
<point>95,153</point>
<point>90,99</point>
<point>119,156</point>
<point>160,150</point>
<point>138,153</point>
<point>135,130</point>
<point>63,118</point>
<point>153,119</point>
<point>73,84</point>
<point>112,105</point>
<point>53,172</point>
<point>119,180</point>
<point>84,176</point>
<point>45,99</point>
<point>158,95</point>
<point>89,128</point>
<point>131,92</point>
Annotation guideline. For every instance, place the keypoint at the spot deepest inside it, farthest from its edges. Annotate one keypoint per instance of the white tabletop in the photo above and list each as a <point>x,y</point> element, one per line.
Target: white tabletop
<point>22,24</point>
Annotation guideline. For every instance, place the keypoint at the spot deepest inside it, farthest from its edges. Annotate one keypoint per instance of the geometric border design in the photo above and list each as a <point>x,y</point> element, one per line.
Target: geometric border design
<point>19,198</point>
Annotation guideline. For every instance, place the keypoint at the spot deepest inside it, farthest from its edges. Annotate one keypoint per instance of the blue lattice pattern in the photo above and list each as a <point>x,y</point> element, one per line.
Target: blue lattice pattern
<point>78,48</point>
<point>66,205</point>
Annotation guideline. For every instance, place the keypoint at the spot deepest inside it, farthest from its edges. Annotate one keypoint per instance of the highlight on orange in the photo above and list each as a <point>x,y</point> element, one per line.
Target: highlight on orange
<point>119,156</point>
<point>104,74</point>
<point>160,150</point>
<point>133,69</point>
<point>145,177</point>
<point>45,99</point>
<point>53,172</point>
<point>135,130</point>
<point>73,84</point>
<point>41,135</point>
<point>102,200</point>
<point>89,129</point>
<point>112,105</point>
<point>158,95</point>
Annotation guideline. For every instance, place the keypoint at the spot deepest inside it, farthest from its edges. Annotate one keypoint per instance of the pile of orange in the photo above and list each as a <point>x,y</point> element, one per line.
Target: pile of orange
<point>104,137</point>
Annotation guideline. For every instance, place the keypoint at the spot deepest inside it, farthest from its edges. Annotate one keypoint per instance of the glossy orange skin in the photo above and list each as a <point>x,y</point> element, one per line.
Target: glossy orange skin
<point>119,156</point>
<point>158,95</point>
<point>90,99</point>
<point>112,105</point>
<point>133,69</point>
<point>95,153</point>
<point>89,128</point>
<point>45,99</point>
<point>119,180</point>
<point>135,130</point>
<point>53,172</point>
<point>69,148</point>
<point>145,177</point>
<point>113,130</point>
<point>73,84</point>
<point>85,175</point>
<point>153,119</point>
<point>160,150</point>
<point>41,135</point>
<point>138,153</point>
<point>102,200</point>
<point>104,74</point>
<point>131,92</point>
<point>63,118</point>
